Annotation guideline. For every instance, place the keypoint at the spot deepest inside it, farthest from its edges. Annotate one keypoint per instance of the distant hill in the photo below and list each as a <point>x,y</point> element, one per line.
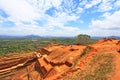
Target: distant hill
<point>48,37</point>
<point>97,37</point>
<point>18,37</point>
<point>117,37</point>
<point>7,37</point>
<point>32,36</point>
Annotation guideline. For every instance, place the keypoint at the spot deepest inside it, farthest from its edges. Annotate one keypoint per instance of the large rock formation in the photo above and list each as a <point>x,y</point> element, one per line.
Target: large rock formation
<point>57,62</point>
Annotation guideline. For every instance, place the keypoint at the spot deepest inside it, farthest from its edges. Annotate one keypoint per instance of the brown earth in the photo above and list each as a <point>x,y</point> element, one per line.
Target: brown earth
<point>99,61</point>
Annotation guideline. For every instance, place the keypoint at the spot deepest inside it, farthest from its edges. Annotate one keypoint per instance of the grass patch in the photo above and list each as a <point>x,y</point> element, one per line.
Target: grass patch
<point>85,51</point>
<point>100,68</point>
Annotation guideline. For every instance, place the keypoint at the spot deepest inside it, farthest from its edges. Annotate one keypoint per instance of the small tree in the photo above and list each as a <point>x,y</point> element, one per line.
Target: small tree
<point>82,39</point>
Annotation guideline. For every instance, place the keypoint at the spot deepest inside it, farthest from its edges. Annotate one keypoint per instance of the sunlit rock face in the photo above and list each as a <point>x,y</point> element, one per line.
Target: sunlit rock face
<point>57,62</point>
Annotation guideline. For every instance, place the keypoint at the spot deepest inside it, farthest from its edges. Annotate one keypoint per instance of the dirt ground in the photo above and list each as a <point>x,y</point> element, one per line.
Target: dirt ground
<point>58,62</point>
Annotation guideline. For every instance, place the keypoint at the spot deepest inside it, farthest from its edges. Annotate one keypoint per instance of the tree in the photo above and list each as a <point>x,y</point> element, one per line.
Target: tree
<point>82,39</point>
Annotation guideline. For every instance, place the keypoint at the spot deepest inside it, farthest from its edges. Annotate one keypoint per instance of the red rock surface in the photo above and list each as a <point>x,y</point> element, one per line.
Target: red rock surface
<point>56,62</point>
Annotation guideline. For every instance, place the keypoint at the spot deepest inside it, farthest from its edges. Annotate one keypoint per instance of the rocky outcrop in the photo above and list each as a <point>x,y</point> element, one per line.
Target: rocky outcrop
<point>57,62</point>
<point>18,67</point>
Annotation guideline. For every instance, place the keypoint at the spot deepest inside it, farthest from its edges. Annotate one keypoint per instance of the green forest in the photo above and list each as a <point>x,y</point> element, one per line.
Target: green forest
<point>28,45</point>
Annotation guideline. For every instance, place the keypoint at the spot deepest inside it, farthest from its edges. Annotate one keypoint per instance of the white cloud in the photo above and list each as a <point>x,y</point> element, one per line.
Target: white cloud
<point>63,17</point>
<point>83,2</point>
<point>106,5</point>
<point>92,3</point>
<point>42,31</point>
<point>19,10</point>
<point>117,4</point>
<point>30,11</point>
<point>64,31</point>
<point>102,32</point>
<point>2,19</point>
<point>43,5</point>
<point>71,7</point>
<point>101,5</point>
<point>23,30</point>
<point>111,21</point>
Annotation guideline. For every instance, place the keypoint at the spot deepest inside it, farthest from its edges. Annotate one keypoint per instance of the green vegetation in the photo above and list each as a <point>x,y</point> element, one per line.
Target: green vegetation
<point>84,39</point>
<point>85,51</point>
<point>104,63</point>
<point>23,45</point>
<point>67,41</point>
<point>100,67</point>
<point>28,45</point>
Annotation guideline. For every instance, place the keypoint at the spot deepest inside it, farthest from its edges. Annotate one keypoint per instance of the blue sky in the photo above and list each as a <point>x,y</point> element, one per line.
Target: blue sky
<point>60,17</point>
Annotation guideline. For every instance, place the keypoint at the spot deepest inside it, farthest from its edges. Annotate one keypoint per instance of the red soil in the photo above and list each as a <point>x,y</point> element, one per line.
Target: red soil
<point>52,62</point>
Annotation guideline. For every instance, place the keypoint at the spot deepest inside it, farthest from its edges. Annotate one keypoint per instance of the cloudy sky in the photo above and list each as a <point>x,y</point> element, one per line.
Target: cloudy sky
<point>60,17</point>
